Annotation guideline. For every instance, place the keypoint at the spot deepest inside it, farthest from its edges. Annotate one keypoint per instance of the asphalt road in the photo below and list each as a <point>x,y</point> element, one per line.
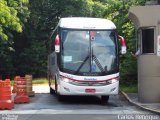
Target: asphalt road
<point>45,106</point>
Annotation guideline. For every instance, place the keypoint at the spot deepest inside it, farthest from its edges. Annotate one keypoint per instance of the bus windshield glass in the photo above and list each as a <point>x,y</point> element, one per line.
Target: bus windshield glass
<point>86,51</point>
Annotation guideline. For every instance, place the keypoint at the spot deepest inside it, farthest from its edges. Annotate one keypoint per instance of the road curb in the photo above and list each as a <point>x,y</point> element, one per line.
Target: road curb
<point>137,104</point>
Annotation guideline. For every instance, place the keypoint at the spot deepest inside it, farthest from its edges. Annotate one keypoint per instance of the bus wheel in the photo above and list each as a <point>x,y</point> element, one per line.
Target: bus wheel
<point>49,81</point>
<point>60,97</point>
<point>104,99</point>
<point>51,91</point>
<point>56,89</point>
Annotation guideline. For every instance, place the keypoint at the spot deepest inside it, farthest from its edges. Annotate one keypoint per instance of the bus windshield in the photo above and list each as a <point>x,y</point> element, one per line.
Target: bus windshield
<point>88,51</point>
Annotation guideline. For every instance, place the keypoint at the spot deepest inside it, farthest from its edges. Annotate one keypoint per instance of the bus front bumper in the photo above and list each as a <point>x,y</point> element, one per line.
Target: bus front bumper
<point>70,89</point>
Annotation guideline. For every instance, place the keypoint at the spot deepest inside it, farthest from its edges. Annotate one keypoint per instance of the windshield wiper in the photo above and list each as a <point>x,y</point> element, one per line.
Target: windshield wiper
<point>98,63</point>
<point>82,64</point>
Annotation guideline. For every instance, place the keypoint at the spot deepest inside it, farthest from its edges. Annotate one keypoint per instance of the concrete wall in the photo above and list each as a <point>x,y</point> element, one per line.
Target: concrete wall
<point>144,16</point>
<point>149,78</point>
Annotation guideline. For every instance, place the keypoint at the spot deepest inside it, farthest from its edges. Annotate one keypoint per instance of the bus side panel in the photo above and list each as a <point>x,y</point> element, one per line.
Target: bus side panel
<point>53,65</point>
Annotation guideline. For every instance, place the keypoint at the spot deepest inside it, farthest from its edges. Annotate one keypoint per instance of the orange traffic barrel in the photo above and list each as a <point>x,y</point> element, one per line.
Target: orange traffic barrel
<point>15,85</point>
<point>5,95</point>
<point>21,93</point>
<point>29,85</point>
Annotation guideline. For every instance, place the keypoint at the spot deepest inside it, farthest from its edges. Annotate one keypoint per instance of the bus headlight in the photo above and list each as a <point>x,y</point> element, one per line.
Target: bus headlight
<point>113,80</point>
<point>89,83</point>
<point>65,79</point>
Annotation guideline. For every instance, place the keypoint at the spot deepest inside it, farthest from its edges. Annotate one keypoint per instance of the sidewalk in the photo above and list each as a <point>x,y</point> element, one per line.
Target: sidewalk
<point>133,98</point>
<point>41,88</point>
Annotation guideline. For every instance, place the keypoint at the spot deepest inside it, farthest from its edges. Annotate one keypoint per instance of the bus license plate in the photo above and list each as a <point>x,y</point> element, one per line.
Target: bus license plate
<point>90,90</point>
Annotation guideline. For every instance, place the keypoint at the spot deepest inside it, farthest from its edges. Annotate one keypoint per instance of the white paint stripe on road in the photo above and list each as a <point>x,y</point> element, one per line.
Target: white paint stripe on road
<point>82,111</point>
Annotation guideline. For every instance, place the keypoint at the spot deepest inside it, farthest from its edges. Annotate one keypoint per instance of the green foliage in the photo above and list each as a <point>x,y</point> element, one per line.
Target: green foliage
<point>11,16</point>
<point>76,8</point>
<point>26,52</point>
<point>129,88</point>
<point>117,11</point>
<point>6,66</point>
<point>40,81</point>
<point>31,57</point>
<point>13,13</point>
<point>98,9</point>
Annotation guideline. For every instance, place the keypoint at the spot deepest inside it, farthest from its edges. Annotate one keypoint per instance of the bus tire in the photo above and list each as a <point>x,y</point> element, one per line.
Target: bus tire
<point>104,99</point>
<point>56,89</point>
<point>60,97</point>
<point>51,91</point>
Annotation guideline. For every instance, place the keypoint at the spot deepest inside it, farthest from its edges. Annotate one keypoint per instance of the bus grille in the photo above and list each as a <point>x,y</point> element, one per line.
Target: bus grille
<point>90,83</point>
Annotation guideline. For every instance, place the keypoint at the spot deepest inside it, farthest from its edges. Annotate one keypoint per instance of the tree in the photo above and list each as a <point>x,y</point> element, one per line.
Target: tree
<point>29,52</point>
<point>32,44</point>
<point>117,11</point>
<point>13,13</point>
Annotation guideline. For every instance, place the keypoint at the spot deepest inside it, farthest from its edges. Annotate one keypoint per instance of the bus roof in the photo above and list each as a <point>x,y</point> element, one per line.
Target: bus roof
<point>86,23</point>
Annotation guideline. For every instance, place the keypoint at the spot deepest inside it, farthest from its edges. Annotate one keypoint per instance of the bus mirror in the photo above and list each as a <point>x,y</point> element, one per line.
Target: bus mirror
<point>57,44</point>
<point>123,45</point>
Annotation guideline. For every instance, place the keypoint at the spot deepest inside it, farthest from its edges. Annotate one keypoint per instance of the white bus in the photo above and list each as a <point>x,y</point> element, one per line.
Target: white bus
<point>84,58</point>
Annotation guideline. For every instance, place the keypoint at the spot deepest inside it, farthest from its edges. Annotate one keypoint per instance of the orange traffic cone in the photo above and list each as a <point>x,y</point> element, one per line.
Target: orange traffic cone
<point>5,95</point>
<point>21,93</point>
